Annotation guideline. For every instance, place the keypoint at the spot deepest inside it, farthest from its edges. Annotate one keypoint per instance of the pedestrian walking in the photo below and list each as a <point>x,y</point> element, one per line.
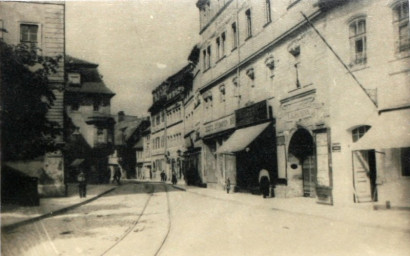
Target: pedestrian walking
<point>117,174</point>
<point>82,184</point>
<point>228,185</point>
<point>174,178</point>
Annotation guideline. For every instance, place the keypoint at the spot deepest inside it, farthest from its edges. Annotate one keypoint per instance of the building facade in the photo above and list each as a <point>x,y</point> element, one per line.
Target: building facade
<point>167,124</point>
<point>89,125</point>
<point>42,24</point>
<point>277,73</point>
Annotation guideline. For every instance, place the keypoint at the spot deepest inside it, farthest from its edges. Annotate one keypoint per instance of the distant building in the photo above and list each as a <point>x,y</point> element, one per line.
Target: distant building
<point>89,126</point>
<point>305,90</point>
<point>128,131</point>
<point>167,123</point>
<point>41,24</point>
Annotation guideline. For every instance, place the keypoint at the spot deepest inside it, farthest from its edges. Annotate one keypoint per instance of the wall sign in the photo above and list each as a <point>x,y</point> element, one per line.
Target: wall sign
<point>252,114</point>
<point>219,125</point>
<point>336,147</point>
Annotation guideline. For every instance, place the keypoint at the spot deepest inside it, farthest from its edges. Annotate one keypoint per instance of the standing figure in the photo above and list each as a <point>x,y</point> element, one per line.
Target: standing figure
<point>174,178</point>
<point>82,184</point>
<point>117,175</point>
<point>228,185</point>
<point>162,175</point>
<point>264,182</point>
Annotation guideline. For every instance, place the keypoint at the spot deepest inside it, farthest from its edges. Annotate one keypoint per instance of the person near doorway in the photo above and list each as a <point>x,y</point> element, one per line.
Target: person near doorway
<point>264,182</point>
<point>162,175</point>
<point>82,184</point>
<point>174,178</point>
<point>117,174</point>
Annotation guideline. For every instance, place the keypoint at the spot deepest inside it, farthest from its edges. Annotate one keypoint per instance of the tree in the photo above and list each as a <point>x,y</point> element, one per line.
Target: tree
<point>25,99</point>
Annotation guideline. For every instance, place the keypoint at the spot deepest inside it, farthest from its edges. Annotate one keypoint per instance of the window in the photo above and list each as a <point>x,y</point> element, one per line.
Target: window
<point>235,36</point>
<point>249,22</point>
<point>204,59</point>
<point>359,132</point>
<point>218,48</point>
<point>208,63</point>
<point>29,34</point>
<point>100,135</point>
<point>358,41</point>
<point>268,11</point>
<point>74,78</point>
<point>223,38</point>
<point>96,104</point>
<point>401,20</point>
<point>222,93</point>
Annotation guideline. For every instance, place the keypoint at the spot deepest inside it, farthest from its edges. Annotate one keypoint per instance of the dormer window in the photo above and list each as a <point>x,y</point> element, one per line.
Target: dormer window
<point>74,79</point>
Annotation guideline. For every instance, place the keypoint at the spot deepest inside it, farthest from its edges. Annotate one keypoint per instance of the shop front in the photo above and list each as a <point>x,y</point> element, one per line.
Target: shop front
<point>250,150</point>
<point>215,133</point>
<point>191,164</point>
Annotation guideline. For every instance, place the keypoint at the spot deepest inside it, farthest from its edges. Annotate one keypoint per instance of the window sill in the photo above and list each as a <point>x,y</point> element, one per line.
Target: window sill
<point>206,70</point>
<point>233,49</point>
<point>358,67</point>
<point>293,4</point>
<point>220,59</point>
<point>249,37</point>
<point>267,23</point>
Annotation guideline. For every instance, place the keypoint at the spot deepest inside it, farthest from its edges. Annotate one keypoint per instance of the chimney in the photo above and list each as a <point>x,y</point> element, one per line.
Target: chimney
<point>121,116</point>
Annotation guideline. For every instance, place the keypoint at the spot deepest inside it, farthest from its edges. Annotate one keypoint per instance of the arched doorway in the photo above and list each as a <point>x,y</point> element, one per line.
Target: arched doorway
<point>302,147</point>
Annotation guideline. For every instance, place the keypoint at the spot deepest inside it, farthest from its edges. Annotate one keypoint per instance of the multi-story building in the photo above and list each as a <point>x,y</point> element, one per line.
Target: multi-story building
<point>144,154</point>
<point>292,86</point>
<point>42,24</point>
<point>89,125</point>
<point>167,123</point>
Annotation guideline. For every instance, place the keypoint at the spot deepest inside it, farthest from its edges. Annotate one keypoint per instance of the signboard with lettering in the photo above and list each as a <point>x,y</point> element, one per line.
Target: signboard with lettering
<point>219,125</point>
<point>252,114</point>
<point>336,147</point>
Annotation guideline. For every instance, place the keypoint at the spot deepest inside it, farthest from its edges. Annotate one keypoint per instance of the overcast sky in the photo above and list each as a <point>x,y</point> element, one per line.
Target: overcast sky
<point>137,44</point>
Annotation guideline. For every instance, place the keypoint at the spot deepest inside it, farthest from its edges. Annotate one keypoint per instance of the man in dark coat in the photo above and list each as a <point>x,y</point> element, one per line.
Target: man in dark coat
<point>82,184</point>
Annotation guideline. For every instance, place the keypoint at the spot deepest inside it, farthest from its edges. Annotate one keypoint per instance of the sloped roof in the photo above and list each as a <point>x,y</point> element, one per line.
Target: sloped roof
<point>91,87</point>
<point>70,60</point>
<point>91,81</point>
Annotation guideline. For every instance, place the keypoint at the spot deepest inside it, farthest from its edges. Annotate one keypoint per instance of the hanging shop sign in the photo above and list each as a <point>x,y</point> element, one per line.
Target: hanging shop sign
<point>255,113</point>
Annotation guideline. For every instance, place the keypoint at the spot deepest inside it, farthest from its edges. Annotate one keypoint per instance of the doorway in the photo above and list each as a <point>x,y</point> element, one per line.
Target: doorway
<point>303,148</point>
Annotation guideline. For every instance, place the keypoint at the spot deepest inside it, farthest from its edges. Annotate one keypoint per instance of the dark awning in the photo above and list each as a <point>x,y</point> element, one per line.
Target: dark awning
<point>241,138</point>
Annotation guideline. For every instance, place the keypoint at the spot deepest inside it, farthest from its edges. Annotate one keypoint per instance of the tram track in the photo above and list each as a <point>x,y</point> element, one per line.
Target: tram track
<point>137,221</point>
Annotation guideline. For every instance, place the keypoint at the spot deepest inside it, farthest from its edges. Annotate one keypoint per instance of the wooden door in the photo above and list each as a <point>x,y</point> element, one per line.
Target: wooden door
<point>361,179</point>
<point>309,176</point>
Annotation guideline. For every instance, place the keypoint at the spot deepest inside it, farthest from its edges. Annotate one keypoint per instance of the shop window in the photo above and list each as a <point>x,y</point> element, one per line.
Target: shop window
<point>401,21</point>
<point>357,33</point>
<point>358,132</point>
<point>405,162</point>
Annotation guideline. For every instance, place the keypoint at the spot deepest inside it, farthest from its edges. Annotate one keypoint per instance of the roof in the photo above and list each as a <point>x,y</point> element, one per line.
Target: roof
<point>91,80</point>
<point>69,60</point>
<point>91,87</point>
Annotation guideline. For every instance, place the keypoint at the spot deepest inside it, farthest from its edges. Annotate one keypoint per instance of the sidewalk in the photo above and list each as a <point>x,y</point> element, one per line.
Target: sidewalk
<point>13,216</point>
<point>362,214</point>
